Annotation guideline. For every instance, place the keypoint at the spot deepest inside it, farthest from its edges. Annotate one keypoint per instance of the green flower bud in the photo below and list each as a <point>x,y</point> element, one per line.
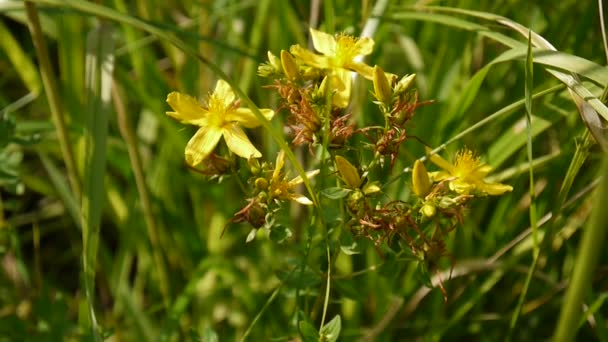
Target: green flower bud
<point>404,84</point>
<point>261,183</point>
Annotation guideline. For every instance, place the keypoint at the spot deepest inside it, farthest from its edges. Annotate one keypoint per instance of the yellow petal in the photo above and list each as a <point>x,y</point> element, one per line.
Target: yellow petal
<point>187,109</point>
<point>341,82</point>
<point>309,58</point>
<point>245,116</point>
<point>300,199</point>
<point>461,187</point>
<point>365,46</point>
<point>365,70</point>
<point>201,144</point>
<point>224,92</point>
<point>324,43</point>
<point>495,189</point>
<point>274,61</point>
<point>278,165</point>
<point>297,180</point>
<point>437,160</point>
<point>238,142</point>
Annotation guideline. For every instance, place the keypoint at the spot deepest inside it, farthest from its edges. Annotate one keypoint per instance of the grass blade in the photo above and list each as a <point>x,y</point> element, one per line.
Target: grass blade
<point>99,68</point>
<point>529,83</point>
<point>588,255</point>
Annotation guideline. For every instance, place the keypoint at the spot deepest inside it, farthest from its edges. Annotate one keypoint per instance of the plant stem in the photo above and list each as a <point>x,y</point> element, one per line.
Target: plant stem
<point>131,142</point>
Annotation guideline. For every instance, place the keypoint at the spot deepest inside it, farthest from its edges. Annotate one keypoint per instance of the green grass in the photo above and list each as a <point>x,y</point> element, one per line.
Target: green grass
<point>104,231</point>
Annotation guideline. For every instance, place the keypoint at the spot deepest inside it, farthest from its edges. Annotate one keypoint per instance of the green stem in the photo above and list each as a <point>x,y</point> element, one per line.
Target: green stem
<point>589,251</point>
<point>126,130</point>
<point>52,92</point>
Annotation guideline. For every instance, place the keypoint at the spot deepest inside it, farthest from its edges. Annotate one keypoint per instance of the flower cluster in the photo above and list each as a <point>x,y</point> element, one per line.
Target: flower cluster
<point>315,91</point>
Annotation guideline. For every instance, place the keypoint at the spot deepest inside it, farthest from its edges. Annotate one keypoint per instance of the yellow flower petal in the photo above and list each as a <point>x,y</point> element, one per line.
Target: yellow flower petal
<point>341,83</point>
<point>364,46</point>
<point>437,160</point>
<point>238,142</point>
<point>495,189</point>
<point>300,199</point>
<point>224,92</point>
<point>298,180</point>
<point>461,186</point>
<point>312,59</point>
<point>278,165</point>
<point>366,71</point>
<point>323,42</point>
<point>201,144</point>
<point>245,117</point>
<point>187,109</point>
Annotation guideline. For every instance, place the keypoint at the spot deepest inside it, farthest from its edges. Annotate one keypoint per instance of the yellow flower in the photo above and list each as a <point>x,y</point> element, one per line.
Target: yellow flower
<point>338,55</point>
<point>220,117</point>
<point>283,189</point>
<point>466,175</point>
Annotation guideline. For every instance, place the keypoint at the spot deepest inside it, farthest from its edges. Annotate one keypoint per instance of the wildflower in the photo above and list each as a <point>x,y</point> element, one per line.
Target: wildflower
<point>220,117</point>
<point>338,55</point>
<point>466,175</point>
<point>282,189</point>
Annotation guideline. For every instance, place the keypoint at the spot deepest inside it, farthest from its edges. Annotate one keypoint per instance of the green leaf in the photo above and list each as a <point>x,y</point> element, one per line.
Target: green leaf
<point>99,68</point>
<point>308,332</point>
<point>331,331</point>
<point>335,192</point>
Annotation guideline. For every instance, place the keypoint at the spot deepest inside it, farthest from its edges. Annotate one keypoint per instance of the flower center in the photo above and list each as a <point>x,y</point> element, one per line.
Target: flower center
<point>217,111</point>
<point>346,49</point>
<point>466,162</point>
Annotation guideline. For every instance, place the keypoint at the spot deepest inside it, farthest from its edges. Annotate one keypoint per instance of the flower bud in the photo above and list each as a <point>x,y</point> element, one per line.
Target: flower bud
<point>290,67</point>
<point>404,84</point>
<point>274,61</point>
<point>349,173</point>
<point>261,183</point>
<point>420,180</point>
<point>382,88</point>
<point>254,166</point>
<point>428,210</point>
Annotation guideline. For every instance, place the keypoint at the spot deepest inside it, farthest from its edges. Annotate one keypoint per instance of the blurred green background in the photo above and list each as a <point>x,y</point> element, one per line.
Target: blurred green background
<point>161,269</point>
